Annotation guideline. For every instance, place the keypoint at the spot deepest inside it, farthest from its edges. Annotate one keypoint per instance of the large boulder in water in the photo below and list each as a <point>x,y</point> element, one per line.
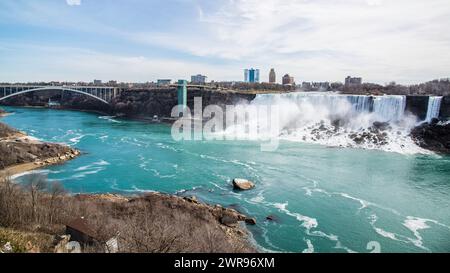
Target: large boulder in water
<point>382,126</point>
<point>434,137</point>
<point>242,184</point>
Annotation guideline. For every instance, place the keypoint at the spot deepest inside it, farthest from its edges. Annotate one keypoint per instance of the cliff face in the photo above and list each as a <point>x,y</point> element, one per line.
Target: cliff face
<point>147,103</point>
<point>445,108</point>
<point>68,100</point>
<point>131,103</point>
<point>417,105</point>
<point>144,103</point>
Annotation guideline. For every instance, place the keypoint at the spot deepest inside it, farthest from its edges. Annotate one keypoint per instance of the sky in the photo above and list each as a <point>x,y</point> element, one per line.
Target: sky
<point>407,41</point>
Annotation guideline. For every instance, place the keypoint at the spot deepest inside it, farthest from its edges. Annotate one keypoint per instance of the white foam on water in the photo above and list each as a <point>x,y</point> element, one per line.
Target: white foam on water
<point>310,248</point>
<point>159,175</point>
<point>390,235</point>
<point>258,199</point>
<point>76,140</point>
<point>415,225</point>
<point>109,118</point>
<point>15,176</point>
<point>364,203</point>
<point>93,165</point>
<point>309,224</point>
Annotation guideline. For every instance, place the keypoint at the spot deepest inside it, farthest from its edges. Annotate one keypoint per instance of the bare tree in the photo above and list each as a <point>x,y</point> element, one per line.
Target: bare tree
<point>36,184</point>
<point>55,191</point>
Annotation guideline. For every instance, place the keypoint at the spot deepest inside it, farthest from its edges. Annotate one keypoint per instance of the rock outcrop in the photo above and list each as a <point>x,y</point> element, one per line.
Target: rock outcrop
<point>242,184</point>
<point>433,136</point>
<point>445,108</point>
<point>159,102</point>
<point>417,105</point>
<point>16,148</point>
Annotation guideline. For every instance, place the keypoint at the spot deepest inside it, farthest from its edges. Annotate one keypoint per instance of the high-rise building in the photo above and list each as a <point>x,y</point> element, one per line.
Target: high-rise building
<point>198,79</point>
<point>272,76</point>
<point>97,82</point>
<point>288,80</point>
<point>251,75</point>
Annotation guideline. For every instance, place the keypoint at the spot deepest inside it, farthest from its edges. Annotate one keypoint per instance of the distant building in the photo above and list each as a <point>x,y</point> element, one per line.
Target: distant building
<point>251,75</point>
<point>97,82</point>
<point>323,86</point>
<point>162,82</point>
<point>316,86</point>
<point>307,86</point>
<point>198,79</point>
<point>288,80</point>
<point>351,81</point>
<point>272,76</point>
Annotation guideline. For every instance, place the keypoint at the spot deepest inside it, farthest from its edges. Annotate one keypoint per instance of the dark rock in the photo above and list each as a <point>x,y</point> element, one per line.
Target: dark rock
<point>272,218</point>
<point>433,137</point>
<point>383,126</point>
<point>434,121</point>
<point>250,221</point>
<point>192,199</point>
<point>417,105</point>
<point>445,108</point>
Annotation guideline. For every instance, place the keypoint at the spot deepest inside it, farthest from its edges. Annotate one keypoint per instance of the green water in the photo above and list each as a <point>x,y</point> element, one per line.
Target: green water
<point>324,199</point>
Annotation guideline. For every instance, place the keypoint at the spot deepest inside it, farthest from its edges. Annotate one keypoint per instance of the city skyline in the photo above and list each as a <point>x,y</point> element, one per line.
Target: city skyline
<point>79,40</point>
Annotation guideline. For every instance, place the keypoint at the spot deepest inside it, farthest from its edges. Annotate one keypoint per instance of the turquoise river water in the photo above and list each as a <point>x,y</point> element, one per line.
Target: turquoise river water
<point>324,199</point>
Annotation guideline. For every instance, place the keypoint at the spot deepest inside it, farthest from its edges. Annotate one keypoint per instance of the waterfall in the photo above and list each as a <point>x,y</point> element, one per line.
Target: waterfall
<point>389,108</point>
<point>334,119</point>
<point>434,108</point>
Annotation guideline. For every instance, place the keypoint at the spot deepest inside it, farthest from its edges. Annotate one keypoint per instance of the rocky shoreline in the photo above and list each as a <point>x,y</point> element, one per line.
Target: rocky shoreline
<point>20,153</point>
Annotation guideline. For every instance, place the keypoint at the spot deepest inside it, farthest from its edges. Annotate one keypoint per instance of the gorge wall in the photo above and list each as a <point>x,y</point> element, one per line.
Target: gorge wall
<point>147,103</point>
<point>445,108</point>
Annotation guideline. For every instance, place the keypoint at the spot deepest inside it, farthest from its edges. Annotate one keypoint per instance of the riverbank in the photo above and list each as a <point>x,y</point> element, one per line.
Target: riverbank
<point>3,113</point>
<point>20,153</point>
<point>150,222</point>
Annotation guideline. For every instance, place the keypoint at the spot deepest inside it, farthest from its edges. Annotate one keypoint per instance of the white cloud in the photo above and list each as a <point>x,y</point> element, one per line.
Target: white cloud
<point>73,2</point>
<point>403,40</point>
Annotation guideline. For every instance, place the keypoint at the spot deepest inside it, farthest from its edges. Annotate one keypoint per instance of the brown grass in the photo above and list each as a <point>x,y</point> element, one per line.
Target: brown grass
<point>153,223</point>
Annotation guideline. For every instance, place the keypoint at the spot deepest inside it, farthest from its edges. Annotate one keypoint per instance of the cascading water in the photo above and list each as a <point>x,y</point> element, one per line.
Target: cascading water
<point>370,122</point>
<point>434,108</point>
<point>389,108</point>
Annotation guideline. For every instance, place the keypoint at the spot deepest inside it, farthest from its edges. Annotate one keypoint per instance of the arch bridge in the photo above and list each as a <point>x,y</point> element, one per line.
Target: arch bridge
<point>104,94</point>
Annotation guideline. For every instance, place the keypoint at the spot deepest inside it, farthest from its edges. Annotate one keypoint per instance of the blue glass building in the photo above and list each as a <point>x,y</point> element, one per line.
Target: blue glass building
<point>251,75</point>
